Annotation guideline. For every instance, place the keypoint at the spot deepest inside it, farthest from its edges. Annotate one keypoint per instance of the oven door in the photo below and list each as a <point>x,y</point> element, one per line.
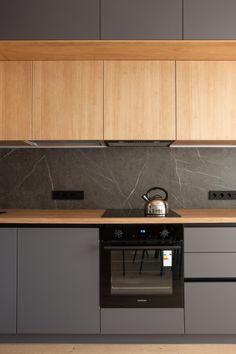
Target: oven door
<point>141,276</point>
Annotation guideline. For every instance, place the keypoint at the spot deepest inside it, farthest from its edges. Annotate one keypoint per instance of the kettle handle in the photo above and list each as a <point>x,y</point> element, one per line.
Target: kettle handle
<point>157,188</point>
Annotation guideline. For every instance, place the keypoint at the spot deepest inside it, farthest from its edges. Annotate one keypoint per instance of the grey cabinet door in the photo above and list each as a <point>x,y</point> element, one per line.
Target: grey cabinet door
<point>8,250</point>
<point>49,19</point>
<point>141,19</point>
<point>58,280</point>
<point>209,19</point>
<point>210,308</point>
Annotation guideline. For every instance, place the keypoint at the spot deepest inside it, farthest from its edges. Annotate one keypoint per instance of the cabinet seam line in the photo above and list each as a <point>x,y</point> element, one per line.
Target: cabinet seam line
<point>17,280</point>
<point>176,138</point>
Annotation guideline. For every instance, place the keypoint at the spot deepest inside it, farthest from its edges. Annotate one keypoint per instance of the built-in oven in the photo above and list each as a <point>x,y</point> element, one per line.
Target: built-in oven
<point>141,266</point>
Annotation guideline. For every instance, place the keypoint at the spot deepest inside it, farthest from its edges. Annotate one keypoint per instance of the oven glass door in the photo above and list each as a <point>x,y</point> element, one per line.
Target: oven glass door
<point>141,276</point>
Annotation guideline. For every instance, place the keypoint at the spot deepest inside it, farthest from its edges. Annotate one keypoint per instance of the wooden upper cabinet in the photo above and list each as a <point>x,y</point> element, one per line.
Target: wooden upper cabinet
<point>139,100</point>
<point>15,100</point>
<point>68,100</point>
<point>206,92</point>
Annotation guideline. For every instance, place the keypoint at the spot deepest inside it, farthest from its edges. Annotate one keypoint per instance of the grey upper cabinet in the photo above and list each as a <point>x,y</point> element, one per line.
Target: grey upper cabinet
<point>141,19</point>
<point>58,280</point>
<point>209,19</point>
<point>8,251</point>
<point>49,19</point>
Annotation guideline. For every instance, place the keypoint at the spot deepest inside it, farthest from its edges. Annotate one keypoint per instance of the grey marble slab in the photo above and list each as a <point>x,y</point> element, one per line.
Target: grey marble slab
<point>115,177</point>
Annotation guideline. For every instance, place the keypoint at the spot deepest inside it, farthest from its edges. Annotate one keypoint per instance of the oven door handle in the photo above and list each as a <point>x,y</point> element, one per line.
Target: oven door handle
<point>113,248</point>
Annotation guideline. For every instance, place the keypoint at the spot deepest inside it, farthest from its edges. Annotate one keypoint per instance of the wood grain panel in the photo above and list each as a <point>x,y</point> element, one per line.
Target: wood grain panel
<point>139,100</point>
<point>206,94</point>
<point>15,100</point>
<point>94,216</point>
<point>68,100</point>
<point>137,348</point>
<point>118,50</point>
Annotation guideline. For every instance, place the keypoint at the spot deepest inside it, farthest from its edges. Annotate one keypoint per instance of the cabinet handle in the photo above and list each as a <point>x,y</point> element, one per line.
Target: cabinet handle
<point>111,248</point>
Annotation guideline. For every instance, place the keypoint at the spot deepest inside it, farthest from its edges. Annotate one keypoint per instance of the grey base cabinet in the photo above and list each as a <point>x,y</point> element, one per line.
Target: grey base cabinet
<point>58,280</point>
<point>8,250</point>
<point>210,308</point>
<point>142,321</point>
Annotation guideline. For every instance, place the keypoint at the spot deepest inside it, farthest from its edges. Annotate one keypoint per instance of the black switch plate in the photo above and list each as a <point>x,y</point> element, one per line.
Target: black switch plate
<point>68,195</point>
<point>222,195</point>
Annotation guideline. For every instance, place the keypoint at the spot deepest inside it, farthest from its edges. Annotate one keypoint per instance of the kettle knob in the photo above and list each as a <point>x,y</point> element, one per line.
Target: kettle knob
<point>156,188</point>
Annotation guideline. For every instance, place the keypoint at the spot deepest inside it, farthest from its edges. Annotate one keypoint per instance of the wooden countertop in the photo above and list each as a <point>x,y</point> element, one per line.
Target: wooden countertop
<point>94,217</point>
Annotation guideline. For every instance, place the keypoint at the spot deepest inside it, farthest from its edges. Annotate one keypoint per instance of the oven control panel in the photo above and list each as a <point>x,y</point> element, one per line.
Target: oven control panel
<point>163,233</point>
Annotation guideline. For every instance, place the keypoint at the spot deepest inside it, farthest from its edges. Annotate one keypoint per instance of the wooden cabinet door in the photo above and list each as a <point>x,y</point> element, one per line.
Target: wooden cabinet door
<point>139,100</point>
<point>15,100</point>
<point>68,100</point>
<point>206,92</point>
<point>58,280</point>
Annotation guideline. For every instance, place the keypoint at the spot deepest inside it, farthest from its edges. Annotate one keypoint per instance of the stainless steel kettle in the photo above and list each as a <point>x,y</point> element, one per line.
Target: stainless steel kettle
<point>156,205</point>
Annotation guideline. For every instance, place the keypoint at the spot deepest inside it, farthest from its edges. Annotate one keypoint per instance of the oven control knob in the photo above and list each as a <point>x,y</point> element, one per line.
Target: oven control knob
<point>164,234</point>
<point>118,234</point>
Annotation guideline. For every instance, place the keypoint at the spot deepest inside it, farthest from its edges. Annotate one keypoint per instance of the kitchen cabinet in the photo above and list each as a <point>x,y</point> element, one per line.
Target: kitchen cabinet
<point>58,280</point>
<point>139,100</point>
<point>210,286</point>
<point>210,308</point>
<point>206,100</point>
<point>8,251</point>
<point>49,19</point>
<point>209,19</point>
<point>68,100</point>
<point>141,19</point>
<point>15,100</point>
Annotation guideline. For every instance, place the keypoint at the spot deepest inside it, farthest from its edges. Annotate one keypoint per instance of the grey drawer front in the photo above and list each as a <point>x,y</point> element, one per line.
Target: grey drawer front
<point>210,308</point>
<point>209,265</point>
<point>210,239</point>
<point>142,321</point>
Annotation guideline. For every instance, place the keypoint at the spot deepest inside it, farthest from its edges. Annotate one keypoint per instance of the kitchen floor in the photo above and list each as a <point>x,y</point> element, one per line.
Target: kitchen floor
<point>117,348</point>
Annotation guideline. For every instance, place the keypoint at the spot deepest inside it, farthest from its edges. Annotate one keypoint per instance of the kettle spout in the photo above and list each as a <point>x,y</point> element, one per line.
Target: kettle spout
<point>145,198</point>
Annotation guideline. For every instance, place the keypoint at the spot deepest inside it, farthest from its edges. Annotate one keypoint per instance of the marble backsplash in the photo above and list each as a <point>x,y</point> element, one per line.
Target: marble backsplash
<point>115,177</point>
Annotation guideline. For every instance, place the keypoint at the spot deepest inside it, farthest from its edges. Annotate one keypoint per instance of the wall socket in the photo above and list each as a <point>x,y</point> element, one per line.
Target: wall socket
<point>222,195</point>
<point>68,195</point>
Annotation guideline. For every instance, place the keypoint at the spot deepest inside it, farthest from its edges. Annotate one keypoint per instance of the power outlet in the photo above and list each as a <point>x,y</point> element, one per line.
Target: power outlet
<point>222,195</point>
<point>68,195</point>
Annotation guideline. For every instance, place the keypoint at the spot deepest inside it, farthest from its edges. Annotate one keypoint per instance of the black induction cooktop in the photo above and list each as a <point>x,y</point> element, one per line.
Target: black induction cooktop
<point>134,213</point>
